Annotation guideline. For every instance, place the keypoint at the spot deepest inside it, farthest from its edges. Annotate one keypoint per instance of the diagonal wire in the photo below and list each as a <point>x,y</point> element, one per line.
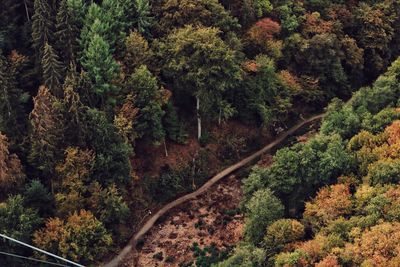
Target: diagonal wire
<point>32,259</point>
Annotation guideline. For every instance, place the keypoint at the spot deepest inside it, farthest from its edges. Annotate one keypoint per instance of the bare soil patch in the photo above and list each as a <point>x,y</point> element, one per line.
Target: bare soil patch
<point>210,219</point>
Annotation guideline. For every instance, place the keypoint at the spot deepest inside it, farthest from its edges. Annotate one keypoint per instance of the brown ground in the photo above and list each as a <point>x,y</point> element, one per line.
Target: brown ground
<point>175,235</point>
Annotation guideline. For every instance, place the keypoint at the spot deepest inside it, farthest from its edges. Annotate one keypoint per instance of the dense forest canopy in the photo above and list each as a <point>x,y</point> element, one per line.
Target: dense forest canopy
<point>88,87</point>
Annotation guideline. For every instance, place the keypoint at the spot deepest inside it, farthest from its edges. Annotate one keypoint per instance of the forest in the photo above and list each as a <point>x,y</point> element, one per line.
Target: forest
<point>111,108</point>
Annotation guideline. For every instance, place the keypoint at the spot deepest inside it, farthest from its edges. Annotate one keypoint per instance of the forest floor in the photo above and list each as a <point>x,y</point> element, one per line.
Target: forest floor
<point>210,219</point>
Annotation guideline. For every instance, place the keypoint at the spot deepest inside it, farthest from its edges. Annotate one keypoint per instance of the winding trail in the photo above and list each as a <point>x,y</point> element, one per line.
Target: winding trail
<point>150,223</point>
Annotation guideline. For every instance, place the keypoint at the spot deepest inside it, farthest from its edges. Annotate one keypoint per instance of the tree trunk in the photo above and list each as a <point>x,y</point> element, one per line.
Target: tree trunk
<point>165,149</point>
<point>220,117</point>
<point>198,118</point>
<point>27,11</point>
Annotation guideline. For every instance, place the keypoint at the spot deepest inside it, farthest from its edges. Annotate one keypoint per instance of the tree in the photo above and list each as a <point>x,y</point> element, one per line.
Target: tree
<point>266,98</point>
<point>193,62</point>
<point>42,25</point>
<point>112,163</point>
<point>74,177</point>
<point>374,33</point>
<point>9,24</point>
<point>143,19</point>
<point>16,220</point>
<point>137,52</point>
<point>173,126</point>
<point>126,119</point>
<point>47,132</point>
<point>245,256</point>
<point>329,204</point>
<point>52,71</point>
<point>149,101</point>
<point>281,233</point>
<point>13,119</point>
<point>300,170</point>
<point>108,205</point>
<point>262,7</point>
<point>199,13</point>
<point>262,210</point>
<point>68,24</point>
<point>38,197</point>
<point>11,174</point>
<point>102,69</point>
<point>81,238</point>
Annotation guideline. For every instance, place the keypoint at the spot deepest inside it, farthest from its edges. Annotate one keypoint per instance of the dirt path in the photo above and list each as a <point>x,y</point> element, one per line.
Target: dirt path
<point>150,223</point>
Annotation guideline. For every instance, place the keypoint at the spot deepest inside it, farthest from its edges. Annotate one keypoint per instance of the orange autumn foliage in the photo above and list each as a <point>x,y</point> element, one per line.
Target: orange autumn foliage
<point>264,30</point>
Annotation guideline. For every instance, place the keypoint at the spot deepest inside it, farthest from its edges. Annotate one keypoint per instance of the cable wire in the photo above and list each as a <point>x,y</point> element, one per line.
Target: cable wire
<point>32,259</point>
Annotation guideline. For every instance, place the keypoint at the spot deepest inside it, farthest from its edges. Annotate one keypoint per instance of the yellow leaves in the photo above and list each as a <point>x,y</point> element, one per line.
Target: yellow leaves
<point>81,238</point>
<point>126,118</point>
<point>290,81</point>
<point>379,245</point>
<point>10,166</point>
<point>329,204</point>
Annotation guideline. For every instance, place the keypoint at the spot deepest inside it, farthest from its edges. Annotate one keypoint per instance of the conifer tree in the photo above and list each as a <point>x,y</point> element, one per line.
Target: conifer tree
<point>12,115</point>
<point>42,25</point>
<point>143,19</point>
<point>47,130</point>
<point>102,69</point>
<point>148,94</point>
<point>52,70</point>
<point>9,23</point>
<point>67,32</point>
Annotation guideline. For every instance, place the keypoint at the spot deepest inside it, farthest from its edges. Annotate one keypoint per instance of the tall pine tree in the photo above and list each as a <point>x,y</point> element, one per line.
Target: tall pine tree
<point>47,132</point>
<point>52,71</point>
<point>43,25</point>
<point>102,69</point>
<point>67,33</point>
<point>12,115</point>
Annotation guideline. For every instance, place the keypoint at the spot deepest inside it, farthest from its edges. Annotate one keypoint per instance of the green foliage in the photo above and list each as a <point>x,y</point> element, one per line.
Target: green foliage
<point>69,22</point>
<point>149,99</point>
<point>199,13</point>
<point>265,96</point>
<point>16,220</point>
<point>262,210</point>
<point>173,126</point>
<point>384,172</point>
<point>13,120</point>
<point>102,70</point>
<point>81,238</point>
<point>9,24</point>
<point>281,233</point>
<point>185,51</point>
<point>112,163</point>
<point>38,197</point>
<point>301,169</point>
<point>245,256</point>
<point>143,20</point>
<point>52,70</point>
<point>43,25</point>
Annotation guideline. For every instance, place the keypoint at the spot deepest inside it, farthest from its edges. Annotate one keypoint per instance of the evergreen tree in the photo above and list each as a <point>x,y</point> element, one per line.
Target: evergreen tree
<point>47,132</point>
<point>68,30</point>
<point>9,23</point>
<point>143,19</point>
<point>148,99</point>
<point>112,164</point>
<point>43,25</point>
<point>52,70</point>
<point>12,115</point>
<point>102,69</point>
